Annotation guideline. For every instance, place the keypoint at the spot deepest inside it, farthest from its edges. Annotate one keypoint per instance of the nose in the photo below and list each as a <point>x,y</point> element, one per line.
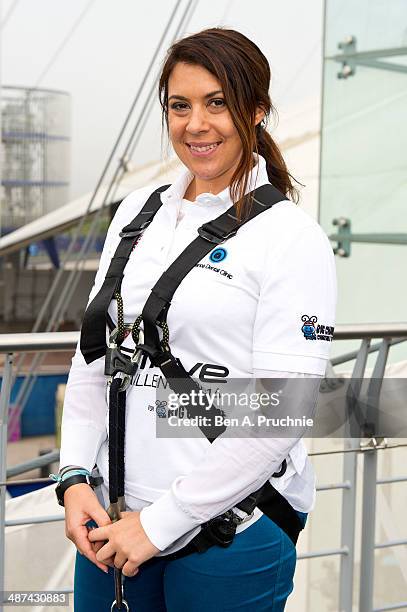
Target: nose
<point>197,122</point>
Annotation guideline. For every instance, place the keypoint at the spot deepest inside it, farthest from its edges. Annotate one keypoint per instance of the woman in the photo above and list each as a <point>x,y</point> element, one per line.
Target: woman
<point>241,318</point>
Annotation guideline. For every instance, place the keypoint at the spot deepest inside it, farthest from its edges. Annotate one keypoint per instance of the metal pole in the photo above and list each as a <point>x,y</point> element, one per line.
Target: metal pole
<point>348,530</point>
<point>368,531</point>
<point>4,404</point>
<point>73,279</point>
<point>26,388</point>
<point>367,558</point>
<point>349,495</point>
<point>1,118</point>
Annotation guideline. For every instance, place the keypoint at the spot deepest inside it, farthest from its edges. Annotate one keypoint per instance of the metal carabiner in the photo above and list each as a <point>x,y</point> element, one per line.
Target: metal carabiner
<point>126,379</point>
<point>118,365</point>
<point>135,360</point>
<point>114,511</point>
<point>114,605</point>
<point>138,352</point>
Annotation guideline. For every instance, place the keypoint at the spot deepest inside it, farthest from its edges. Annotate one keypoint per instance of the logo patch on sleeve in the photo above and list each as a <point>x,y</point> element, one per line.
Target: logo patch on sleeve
<point>312,331</point>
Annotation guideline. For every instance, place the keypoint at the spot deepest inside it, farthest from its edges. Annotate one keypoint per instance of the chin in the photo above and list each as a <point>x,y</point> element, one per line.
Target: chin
<point>205,174</point>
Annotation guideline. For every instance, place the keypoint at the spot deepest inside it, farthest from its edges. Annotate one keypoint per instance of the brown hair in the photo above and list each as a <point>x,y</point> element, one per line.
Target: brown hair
<point>244,74</point>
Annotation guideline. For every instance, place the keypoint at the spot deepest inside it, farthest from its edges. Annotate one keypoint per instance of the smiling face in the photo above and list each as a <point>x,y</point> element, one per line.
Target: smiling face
<point>201,129</point>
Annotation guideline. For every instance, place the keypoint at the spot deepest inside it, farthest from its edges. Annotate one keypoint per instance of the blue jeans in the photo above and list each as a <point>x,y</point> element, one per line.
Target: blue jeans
<point>255,574</point>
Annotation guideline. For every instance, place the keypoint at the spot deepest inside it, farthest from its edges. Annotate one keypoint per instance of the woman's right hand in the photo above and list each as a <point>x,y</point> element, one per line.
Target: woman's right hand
<point>82,506</point>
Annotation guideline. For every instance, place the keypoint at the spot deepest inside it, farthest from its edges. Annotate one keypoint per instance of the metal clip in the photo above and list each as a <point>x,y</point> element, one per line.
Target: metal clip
<point>373,444</point>
<point>118,365</point>
<point>239,520</point>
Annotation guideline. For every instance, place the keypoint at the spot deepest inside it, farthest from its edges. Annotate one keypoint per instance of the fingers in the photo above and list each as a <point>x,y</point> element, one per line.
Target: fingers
<point>96,546</point>
<point>99,515</point>
<point>119,560</point>
<point>100,533</point>
<point>129,569</point>
<point>79,537</point>
<point>105,552</point>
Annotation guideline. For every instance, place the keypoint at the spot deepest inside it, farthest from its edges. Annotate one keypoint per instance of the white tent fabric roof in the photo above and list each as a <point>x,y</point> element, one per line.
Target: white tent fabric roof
<point>68,215</point>
<point>301,151</point>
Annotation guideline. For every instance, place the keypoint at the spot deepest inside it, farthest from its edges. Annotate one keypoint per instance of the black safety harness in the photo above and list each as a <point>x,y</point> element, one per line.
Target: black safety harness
<point>153,341</point>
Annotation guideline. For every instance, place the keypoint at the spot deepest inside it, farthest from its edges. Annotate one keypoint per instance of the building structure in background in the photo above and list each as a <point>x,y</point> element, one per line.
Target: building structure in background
<point>363,185</point>
<point>35,154</point>
<point>353,553</point>
<point>359,523</point>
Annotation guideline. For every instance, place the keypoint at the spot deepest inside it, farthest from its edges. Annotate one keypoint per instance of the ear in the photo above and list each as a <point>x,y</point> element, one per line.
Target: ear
<point>259,116</point>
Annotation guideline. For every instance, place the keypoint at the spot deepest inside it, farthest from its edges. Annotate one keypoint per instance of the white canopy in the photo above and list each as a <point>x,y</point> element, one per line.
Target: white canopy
<point>67,216</point>
<point>300,147</point>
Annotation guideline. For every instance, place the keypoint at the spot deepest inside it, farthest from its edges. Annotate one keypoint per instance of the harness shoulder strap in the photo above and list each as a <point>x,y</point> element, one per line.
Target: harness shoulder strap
<point>93,331</point>
<point>210,235</point>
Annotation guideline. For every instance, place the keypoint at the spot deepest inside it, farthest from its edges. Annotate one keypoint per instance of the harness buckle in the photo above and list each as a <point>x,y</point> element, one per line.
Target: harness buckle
<point>135,232</point>
<point>221,529</point>
<point>239,520</point>
<point>118,365</point>
<point>211,237</point>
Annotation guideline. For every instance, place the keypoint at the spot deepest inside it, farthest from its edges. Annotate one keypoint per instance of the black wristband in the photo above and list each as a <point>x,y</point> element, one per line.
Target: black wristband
<point>65,484</point>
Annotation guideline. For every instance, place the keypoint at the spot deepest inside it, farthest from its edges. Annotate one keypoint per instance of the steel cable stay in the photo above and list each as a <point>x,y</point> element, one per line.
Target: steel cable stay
<point>75,275</point>
<point>74,278</point>
<point>107,165</point>
<point>63,44</point>
<point>9,14</point>
<point>79,227</point>
<point>150,99</point>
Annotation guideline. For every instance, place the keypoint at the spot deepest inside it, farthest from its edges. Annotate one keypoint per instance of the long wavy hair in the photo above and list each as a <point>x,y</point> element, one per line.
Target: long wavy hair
<point>244,74</point>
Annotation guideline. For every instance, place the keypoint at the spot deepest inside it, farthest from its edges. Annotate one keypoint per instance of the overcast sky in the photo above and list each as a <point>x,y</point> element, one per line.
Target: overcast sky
<point>106,56</point>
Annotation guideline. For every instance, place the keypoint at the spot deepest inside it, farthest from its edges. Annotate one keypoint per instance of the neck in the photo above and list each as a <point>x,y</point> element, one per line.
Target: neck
<point>198,186</point>
<point>215,185</point>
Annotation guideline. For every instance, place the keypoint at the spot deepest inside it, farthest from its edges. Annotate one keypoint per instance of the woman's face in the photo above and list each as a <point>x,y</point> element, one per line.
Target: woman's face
<point>201,128</point>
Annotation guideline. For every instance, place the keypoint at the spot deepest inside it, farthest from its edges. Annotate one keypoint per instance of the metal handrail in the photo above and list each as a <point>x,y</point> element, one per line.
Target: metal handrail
<point>361,331</point>
<point>353,354</point>
<point>32,464</point>
<point>41,341</point>
<point>64,341</point>
<point>391,333</point>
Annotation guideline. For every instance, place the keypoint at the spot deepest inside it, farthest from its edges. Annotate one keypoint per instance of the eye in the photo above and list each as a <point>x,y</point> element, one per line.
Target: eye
<point>217,103</point>
<point>179,106</point>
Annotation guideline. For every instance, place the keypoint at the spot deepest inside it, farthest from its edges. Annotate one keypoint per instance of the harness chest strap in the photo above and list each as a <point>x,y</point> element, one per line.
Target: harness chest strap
<point>156,308</point>
<point>93,336</point>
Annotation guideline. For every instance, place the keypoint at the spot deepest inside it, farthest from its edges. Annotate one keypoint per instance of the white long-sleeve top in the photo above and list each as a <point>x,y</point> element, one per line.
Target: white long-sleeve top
<point>237,318</point>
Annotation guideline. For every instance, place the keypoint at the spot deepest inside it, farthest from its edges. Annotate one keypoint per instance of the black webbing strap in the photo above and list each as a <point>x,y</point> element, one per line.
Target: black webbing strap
<point>93,345</point>
<point>93,332</point>
<point>117,411</point>
<point>210,234</point>
<point>180,381</point>
<point>156,307</point>
<point>275,506</point>
<point>270,502</point>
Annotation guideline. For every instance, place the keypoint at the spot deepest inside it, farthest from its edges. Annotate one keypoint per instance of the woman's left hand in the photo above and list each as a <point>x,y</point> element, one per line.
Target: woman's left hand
<point>127,543</point>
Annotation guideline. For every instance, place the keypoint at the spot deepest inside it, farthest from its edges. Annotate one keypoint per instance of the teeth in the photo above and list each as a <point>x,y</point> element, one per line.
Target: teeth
<point>207,148</point>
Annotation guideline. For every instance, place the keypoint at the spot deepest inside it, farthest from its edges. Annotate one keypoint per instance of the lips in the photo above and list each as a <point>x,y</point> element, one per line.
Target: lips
<point>202,149</point>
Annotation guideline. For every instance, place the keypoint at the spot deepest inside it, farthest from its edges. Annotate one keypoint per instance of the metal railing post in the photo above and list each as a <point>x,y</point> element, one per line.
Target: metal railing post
<point>368,531</point>
<point>348,530</point>
<point>350,476</point>
<point>4,406</point>
<point>367,558</point>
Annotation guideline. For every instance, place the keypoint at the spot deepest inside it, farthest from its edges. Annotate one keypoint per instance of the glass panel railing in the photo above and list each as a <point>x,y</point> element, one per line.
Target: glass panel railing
<point>363,153</point>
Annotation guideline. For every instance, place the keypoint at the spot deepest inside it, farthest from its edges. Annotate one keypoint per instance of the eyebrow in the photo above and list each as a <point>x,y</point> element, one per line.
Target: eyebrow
<point>208,95</point>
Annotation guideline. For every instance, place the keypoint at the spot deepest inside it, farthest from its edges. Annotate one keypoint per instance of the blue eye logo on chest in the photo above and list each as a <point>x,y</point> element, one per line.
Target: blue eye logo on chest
<point>218,255</point>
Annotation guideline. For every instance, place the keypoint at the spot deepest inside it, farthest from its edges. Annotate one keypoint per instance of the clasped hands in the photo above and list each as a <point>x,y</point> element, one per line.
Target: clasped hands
<point>123,544</point>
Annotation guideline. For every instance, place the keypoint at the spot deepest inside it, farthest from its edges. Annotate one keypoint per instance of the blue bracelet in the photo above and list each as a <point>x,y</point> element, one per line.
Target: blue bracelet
<point>74,472</point>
